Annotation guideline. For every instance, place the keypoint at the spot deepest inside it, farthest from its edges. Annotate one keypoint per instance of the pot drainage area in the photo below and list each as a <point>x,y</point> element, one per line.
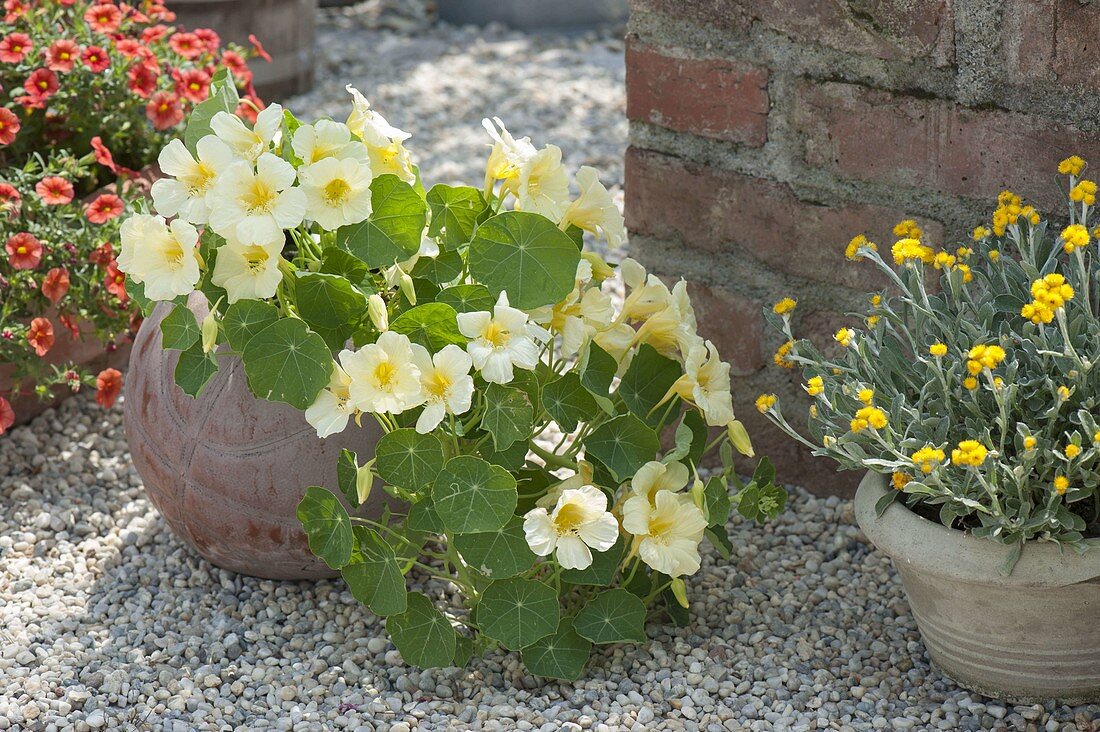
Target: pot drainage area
<point>107,621</point>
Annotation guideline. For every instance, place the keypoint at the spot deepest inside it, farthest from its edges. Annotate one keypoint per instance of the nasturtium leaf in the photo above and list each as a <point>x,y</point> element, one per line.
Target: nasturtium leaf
<point>370,245</point>
<point>398,211</point>
<point>562,655</point>
<point>761,502</point>
<point>613,616</point>
<point>347,474</point>
<point>423,636</point>
<point>222,98</point>
<point>455,211</point>
<point>328,301</point>
<point>423,517</point>
<point>338,262</point>
<point>598,368</point>
<point>602,570</point>
<point>194,369</point>
<point>525,255</point>
<point>432,325</point>
<point>531,484</point>
<point>677,613</point>
<point>623,444</point>
<point>244,319</point>
<point>408,459</point>
<point>694,422</point>
<point>464,650</point>
<point>716,501</point>
<point>568,402</point>
<point>327,526</point>
<point>284,362</point>
<point>646,383</point>
<point>508,415</point>
<point>720,538</point>
<point>209,244</point>
<point>443,268</point>
<point>517,612</point>
<point>473,496</point>
<point>498,554</point>
<point>372,574</point>
<point>510,458</point>
<point>467,298</point>
<point>179,330</point>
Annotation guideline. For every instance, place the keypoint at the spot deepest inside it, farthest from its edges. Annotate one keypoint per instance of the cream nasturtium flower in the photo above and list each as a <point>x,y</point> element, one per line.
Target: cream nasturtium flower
<point>337,192</point>
<point>384,378</point>
<point>184,194</point>
<point>507,154</point>
<point>706,383</point>
<point>159,255</point>
<point>382,140</point>
<point>648,295</point>
<point>672,329</point>
<point>256,204</point>
<point>331,410</point>
<point>667,531</point>
<point>579,523</point>
<point>249,269</point>
<point>326,139</point>
<point>656,476</point>
<point>501,340</point>
<point>541,185</point>
<point>583,313</point>
<point>594,210</point>
<point>249,142</point>
<point>446,382</point>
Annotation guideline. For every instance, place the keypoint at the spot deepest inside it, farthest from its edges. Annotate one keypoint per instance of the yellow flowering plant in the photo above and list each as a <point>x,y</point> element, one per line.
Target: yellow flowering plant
<point>973,386</point>
<point>521,407</point>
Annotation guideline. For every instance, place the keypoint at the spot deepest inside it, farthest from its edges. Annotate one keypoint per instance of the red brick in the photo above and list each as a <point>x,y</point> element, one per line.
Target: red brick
<point>1051,41</point>
<point>715,210</point>
<point>888,29</point>
<point>873,135</point>
<point>725,100</point>
<point>735,324</point>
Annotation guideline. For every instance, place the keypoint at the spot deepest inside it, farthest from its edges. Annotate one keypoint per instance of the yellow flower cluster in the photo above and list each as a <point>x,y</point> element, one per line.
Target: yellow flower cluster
<point>943,260</point>
<point>1049,294</point>
<point>872,417</point>
<point>1073,165</point>
<point>969,452</point>
<point>784,306</point>
<point>1072,450</point>
<point>859,242</point>
<point>780,356</point>
<point>938,350</point>
<point>867,396</point>
<point>1061,484</point>
<point>906,250</point>
<point>764,402</point>
<point>1009,210</point>
<point>1074,236</point>
<point>1063,392</point>
<point>1030,442</point>
<point>908,229</point>
<point>1084,192</point>
<point>900,480</point>
<point>844,336</point>
<point>814,385</point>
<point>980,233</point>
<point>984,357</point>
<point>928,458</point>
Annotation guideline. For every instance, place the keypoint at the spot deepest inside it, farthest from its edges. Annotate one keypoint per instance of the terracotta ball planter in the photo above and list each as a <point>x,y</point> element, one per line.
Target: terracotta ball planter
<point>1030,636</point>
<point>227,470</point>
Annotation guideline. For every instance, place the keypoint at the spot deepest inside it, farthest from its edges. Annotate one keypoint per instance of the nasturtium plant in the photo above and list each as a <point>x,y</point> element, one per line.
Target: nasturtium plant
<point>541,446</point>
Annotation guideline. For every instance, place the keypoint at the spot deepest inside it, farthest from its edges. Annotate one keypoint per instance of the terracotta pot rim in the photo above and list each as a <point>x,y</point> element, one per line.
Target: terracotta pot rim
<point>932,548</point>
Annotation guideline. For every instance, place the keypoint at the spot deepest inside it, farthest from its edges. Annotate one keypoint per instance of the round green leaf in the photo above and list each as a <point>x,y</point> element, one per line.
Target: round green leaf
<point>623,444</point>
<point>372,574</point>
<point>472,496</point>
<point>194,369</point>
<point>327,526</point>
<point>408,459</point>
<point>508,415</point>
<point>424,637</point>
<point>467,298</point>
<point>179,330</point>
<point>559,656</point>
<point>244,319</point>
<point>568,402</point>
<point>284,362</point>
<point>328,301</point>
<point>613,616</point>
<point>455,211</point>
<point>498,554</point>
<point>646,383</point>
<point>518,612</point>
<point>525,255</point>
<point>432,325</point>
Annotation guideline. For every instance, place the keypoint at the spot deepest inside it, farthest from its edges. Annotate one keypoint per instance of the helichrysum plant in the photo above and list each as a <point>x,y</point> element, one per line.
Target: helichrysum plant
<point>522,408</point>
<point>971,381</point>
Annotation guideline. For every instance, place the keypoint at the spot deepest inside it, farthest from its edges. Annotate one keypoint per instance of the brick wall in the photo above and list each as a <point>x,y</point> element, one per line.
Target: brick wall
<point>766,133</point>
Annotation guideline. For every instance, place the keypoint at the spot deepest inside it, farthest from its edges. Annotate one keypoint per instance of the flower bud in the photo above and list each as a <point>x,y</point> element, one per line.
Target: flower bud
<point>364,481</point>
<point>698,488</point>
<point>739,436</point>
<point>376,308</point>
<point>209,333</point>
<point>679,591</point>
<point>601,270</point>
<point>407,288</point>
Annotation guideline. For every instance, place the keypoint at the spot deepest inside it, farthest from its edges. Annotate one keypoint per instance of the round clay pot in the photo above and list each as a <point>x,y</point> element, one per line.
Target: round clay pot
<point>226,469</point>
<point>1026,637</point>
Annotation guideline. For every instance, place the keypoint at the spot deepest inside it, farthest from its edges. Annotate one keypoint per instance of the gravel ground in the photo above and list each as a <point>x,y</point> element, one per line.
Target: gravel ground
<point>107,621</point>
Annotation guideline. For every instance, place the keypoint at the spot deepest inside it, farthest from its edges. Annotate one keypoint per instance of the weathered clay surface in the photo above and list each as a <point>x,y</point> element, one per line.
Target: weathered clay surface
<point>227,470</point>
<point>1025,637</point>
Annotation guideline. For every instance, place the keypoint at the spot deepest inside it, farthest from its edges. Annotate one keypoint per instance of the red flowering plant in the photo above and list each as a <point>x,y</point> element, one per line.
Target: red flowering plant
<point>59,282</point>
<point>114,79</point>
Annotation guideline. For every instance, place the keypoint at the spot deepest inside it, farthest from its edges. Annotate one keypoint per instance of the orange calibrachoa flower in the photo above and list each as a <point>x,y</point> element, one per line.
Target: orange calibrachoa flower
<point>7,415</point>
<point>40,336</point>
<point>55,285</point>
<point>108,385</point>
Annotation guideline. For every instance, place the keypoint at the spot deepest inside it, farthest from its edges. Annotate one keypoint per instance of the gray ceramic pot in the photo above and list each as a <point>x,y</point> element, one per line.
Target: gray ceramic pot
<point>227,470</point>
<point>1027,637</point>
